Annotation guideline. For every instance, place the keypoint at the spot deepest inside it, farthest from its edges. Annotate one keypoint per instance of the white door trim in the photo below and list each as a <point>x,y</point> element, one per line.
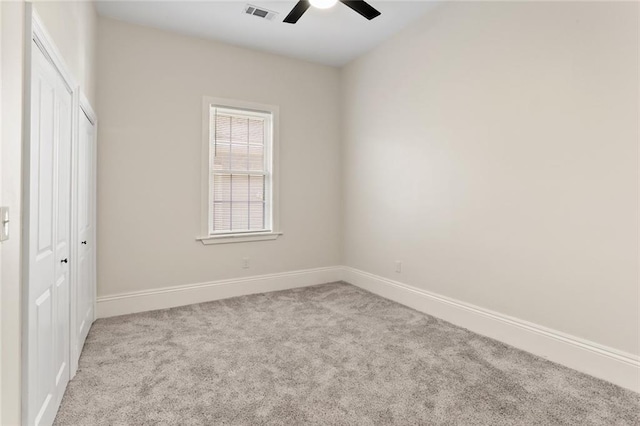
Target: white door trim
<point>35,32</point>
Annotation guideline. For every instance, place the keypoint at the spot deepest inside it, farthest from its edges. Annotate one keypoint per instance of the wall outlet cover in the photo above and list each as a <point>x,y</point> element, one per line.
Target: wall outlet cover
<point>4,223</point>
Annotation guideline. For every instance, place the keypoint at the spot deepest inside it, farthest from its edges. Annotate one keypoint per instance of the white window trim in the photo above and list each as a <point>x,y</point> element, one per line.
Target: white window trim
<point>205,238</point>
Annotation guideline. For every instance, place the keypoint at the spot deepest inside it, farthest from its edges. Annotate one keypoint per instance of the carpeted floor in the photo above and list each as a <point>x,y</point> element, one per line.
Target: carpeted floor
<point>329,354</point>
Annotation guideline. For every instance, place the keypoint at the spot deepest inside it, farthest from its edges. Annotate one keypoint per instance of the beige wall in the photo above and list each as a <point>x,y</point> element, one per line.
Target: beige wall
<point>150,90</point>
<point>72,25</point>
<point>493,149</point>
<point>12,29</point>
<point>1,92</point>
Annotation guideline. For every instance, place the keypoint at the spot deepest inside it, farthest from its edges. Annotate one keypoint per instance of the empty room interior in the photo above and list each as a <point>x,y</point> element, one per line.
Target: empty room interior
<point>325,212</point>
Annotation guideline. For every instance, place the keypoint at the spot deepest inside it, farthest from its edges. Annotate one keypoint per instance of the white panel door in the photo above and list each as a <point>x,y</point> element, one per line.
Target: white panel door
<point>86,226</point>
<point>48,241</point>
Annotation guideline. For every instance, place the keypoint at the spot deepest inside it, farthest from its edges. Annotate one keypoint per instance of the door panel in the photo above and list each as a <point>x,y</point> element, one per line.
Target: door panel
<point>45,147</point>
<point>44,339</point>
<point>48,241</point>
<point>86,187</point>
<point>63,240</point>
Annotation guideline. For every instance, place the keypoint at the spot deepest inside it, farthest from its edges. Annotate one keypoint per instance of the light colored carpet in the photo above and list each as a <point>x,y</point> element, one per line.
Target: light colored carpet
<point>329,354</point>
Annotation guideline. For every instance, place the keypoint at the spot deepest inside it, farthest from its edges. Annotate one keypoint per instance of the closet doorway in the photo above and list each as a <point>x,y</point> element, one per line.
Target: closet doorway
<point>58,258</point>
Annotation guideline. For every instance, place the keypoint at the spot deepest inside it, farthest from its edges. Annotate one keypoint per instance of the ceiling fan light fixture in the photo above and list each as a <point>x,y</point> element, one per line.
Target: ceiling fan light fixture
<point>323,4</point>
<point>360,6</point>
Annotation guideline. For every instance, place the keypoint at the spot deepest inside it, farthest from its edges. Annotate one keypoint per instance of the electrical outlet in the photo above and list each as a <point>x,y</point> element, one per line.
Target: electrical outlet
<point>245,263</point>
<point>4,223</point>
<point>398,266</point>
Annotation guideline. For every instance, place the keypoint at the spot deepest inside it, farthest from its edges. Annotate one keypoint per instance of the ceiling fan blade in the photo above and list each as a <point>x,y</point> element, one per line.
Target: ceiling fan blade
<point>298,10</point>
<point>362,7</point>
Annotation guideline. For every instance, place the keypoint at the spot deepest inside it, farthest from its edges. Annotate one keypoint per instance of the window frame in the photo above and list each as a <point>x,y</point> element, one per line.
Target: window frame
<point>271,173</point>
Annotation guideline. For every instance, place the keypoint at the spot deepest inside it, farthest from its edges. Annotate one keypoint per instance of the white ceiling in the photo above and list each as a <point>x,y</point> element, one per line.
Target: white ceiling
<point>332,37</point>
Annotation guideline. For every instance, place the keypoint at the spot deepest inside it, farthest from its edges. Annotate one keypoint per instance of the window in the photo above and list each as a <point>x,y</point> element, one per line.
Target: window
<point>239,145</point>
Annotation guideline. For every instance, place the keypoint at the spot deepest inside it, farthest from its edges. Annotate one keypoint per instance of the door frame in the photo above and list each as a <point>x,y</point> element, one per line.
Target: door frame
<point>35,31</point>
<point>84,107</point>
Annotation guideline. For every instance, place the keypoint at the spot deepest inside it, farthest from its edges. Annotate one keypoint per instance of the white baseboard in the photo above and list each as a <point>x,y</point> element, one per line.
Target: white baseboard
<point>597,360</point>
<point>609,364</point>
<point>169,297</point>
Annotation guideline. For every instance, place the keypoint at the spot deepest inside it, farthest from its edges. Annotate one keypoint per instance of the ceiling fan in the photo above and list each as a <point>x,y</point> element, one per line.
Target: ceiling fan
<point>360,6</point>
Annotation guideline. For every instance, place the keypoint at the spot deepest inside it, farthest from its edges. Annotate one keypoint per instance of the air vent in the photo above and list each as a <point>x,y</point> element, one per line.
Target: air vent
<point>260,12</point>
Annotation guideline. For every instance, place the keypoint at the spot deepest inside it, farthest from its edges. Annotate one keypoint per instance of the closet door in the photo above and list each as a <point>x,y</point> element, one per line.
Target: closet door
<point>48,231</point>
<point>86,229</point>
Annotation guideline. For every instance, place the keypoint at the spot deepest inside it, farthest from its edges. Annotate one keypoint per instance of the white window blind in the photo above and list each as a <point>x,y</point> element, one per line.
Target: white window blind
<point>240,171</point>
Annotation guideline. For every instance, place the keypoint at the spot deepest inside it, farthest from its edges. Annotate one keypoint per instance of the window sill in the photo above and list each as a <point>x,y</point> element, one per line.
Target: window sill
<point>238,238</point>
